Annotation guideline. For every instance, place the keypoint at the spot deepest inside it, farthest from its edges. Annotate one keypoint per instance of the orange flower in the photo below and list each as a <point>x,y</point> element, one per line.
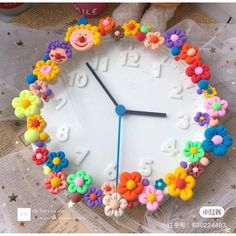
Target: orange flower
<point>189,53</point>
<point>130,185</point>
<point>106,25</point>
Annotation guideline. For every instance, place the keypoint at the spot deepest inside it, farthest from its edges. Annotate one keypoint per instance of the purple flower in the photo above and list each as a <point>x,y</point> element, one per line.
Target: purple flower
<point>93,197</point>
<point>174,38</point>
<point>57,44</point>
<point>202,118</point>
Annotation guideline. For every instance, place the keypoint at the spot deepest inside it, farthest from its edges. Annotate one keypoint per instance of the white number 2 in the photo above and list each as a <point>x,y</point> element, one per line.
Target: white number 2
<point>145,167</point>
<point>130,59</point>
<point>170,147</point>
<point>176,91</point>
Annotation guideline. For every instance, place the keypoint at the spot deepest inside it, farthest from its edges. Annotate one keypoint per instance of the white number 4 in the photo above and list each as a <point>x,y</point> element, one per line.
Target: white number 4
<point>170,147</point>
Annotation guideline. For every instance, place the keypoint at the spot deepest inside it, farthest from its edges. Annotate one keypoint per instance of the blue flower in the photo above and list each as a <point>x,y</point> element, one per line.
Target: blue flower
<point>160,184</point>
<point>57,161</point>
<point>217,140</point>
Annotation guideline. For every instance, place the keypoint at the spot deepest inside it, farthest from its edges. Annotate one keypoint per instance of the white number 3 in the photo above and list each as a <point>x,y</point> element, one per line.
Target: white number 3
<point>183,122</point>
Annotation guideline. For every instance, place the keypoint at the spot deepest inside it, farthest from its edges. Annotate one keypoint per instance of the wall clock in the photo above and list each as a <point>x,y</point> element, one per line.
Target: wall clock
<point>125,115</point>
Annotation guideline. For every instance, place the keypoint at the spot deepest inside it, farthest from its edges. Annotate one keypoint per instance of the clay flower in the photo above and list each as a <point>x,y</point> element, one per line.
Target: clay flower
<point>106,25</point>
<point>174,38</point>
<point>55,182</point>
<point>151,197</point>
<point>153,40</point>
<point>40,156</point>
<point>38,87</point>
<point>117,33</point>
<point>57,161</point>
<point>26,104</point>
<point>189,53</point>
<point>217,140</point>
<point>93,197</point>
<point>114,205</point>
<point>131,28</point>
<point>195,169</point>
<point>130,185</point>
<point>107,188</point>
<point>210,92</point>
<point>180,184</point>
<point>202,118</point>
<point>58,51</point>
<point>216,107</point>
<point>193,151</point>
<point>35,122</point>
<point>198,71</point>
<point>79,182</point>
<point>160,184</point>
<point>46,70</point>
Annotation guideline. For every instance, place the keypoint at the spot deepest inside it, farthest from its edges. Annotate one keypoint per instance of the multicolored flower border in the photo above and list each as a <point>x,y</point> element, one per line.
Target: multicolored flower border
<point>132,188</point>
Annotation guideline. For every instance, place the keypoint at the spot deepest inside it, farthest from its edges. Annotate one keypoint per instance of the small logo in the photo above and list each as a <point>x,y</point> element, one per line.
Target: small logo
<point>211,211</point>
<point>23,214</point>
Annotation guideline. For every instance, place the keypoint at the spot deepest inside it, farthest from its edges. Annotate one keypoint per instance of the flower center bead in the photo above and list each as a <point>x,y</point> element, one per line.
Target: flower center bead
<point>107,188</point>
<point>25,103</point>
<point>193,150</point>
<point>180,183</point>
<point>38,87</point>
<point>209,91</point>
<point>216,106</point>
<point>114,204</point>
<point>131,26</point>
<point>55,182</point>
<point>191,52</point>
<point>79,181</point>
<point>154,39</point>
<point>93,196</point>
<point>130,185</point>
<point>151,197</point>
<point>106,22</point>
<point>195,169</point>
<point>46,69</point>
<point>117,33</point>
<point>174,37</point>
<point>198,70</point>
<point>217,139</point>
<point>39,156</point>
<point>202,118</point>
<point>35,123</point>
<point>56,161</point>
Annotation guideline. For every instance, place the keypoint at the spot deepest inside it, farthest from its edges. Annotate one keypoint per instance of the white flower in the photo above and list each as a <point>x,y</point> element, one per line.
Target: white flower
<point>114,205</point>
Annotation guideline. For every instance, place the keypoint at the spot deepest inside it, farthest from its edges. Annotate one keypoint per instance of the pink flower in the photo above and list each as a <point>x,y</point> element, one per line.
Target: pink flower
<point>107,188</point>
<point>55,182</point>
<point>38,87</point>
<point>198,71</point>
<point>151,197</point>
<point>216,107</point>
<point>153,40</point>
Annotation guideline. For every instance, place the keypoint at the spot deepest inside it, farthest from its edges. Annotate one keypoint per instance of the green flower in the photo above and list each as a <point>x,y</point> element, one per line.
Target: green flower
<point>193,151</point>
<point>79,182</point>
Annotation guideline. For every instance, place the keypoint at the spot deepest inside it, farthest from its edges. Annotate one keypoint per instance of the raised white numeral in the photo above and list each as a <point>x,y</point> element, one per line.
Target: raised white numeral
<point>157,70</point>
<point>176,91</point>
<point>145,167</point>
<point>130,59</point>
<point>188,84</point>
<point>63,133</point>
<point>170,147</point>
<point>183,122</point>
<point>79,80</point>
<point>81,153</point>
<point>110,173</point>
<point>101,63</point>
<point>60,102</point>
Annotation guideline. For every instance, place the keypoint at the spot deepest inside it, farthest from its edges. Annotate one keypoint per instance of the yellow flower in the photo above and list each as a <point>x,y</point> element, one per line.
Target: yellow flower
<point>46,70</point>
<point>180,184</point>
<point>35,122</point>
<point>210,92</point>
<point>131,28</point>
<point>26,104</point>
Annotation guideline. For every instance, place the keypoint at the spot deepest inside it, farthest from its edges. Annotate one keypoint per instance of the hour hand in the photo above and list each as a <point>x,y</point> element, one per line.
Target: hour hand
<point>101,83</point>
<point>146,113</point>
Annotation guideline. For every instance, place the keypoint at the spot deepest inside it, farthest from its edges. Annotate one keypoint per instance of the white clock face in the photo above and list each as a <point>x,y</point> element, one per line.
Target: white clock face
<point>82,121</point>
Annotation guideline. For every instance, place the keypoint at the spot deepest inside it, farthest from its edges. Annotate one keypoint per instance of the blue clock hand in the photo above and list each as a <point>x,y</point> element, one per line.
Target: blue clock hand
<point>120,111</point>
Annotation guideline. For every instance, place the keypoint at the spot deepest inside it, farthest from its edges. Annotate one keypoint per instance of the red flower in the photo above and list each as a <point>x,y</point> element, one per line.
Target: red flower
<point>40,156</point>
<point>198,71</point>
<point>195,169</point>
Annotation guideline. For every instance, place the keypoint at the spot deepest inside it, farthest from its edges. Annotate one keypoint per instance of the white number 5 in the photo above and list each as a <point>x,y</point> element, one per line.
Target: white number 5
<point>145,167</point>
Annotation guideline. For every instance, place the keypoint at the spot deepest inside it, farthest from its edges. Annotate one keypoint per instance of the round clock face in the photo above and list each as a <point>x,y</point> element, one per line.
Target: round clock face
<point>83,123</point>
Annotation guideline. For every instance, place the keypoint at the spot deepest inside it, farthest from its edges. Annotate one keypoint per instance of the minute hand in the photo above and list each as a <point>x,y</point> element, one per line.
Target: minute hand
<point>146,113</point>
<point>101,83</point>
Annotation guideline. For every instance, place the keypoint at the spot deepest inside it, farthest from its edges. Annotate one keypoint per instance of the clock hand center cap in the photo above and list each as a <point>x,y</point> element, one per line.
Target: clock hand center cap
<point>120,110</point>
